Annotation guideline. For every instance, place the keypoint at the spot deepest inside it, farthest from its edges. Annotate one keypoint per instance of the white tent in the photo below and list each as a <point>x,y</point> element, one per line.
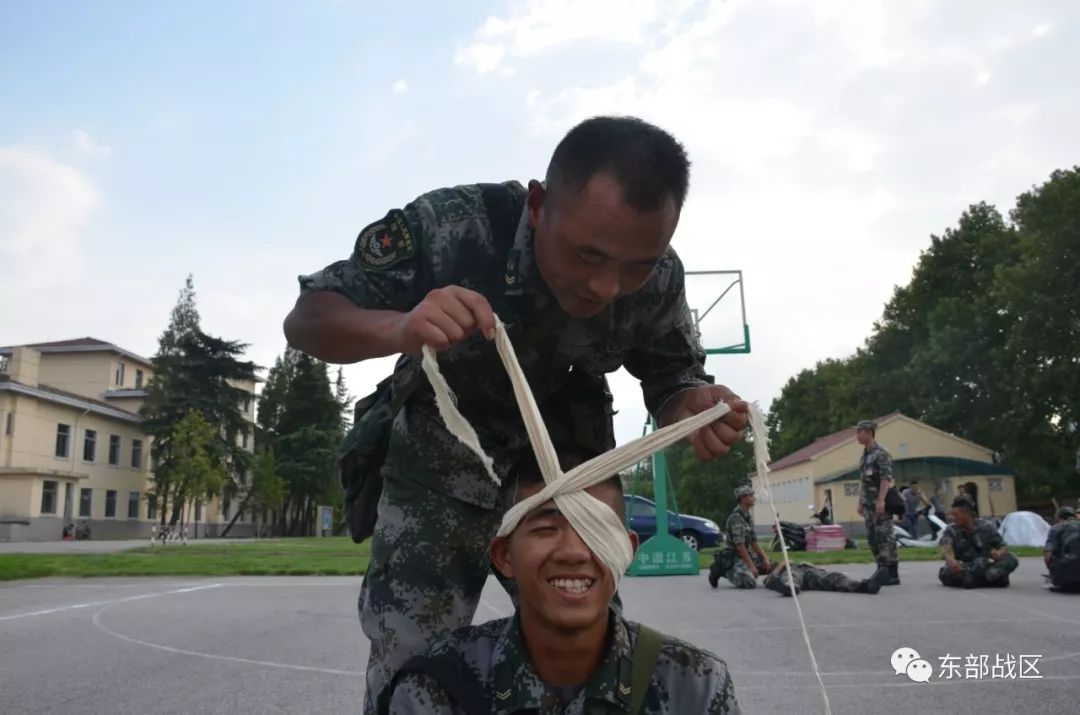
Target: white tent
<point>1024,528</point>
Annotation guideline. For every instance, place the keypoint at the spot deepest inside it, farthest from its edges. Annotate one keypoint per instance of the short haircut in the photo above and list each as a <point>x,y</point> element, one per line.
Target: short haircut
<point>649,164</point>
<point>526,473</point>
<point>964,502</point>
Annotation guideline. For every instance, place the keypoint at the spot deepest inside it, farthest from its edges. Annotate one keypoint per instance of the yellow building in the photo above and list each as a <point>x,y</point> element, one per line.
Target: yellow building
<point>827,471</point>
<point>72,448</point>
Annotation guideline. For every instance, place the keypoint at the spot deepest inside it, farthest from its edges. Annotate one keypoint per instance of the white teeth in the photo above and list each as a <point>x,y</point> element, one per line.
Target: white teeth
<point>572,585</point>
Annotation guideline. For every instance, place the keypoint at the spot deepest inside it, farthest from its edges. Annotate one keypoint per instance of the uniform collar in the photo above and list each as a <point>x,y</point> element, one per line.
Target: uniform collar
<point>521,267</point>
<point>517,687</point>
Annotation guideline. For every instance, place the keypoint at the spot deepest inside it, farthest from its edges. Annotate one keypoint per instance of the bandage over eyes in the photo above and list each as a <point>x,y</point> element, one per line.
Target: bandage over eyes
<point>594,521</point>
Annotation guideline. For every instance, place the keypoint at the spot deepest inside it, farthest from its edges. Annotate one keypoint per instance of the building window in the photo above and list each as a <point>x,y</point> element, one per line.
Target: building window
<point>9,423</point>
<point>89,445</point>
<point>994,484</point>
<point>114,450</point>
<point>138,379</point>
<point>902,449</point>
<point>62,434</point>
<point>110,504</point>
<point>133,505</point>
<point>247,404</point>
<point>151,506</point>
<point>225,504</point>
<point>245,441</point>
<point>48,497</point>
<point>851,489</point>
<point>85,496</point>
<point>119,374</point>
<point>136,454</point>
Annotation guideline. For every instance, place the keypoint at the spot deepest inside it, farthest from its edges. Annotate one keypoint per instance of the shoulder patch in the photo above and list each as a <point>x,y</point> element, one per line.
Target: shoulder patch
<point>386,242</point>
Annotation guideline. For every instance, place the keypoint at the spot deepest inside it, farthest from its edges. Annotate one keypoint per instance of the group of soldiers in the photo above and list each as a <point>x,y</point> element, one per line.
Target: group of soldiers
<point>974,552</point>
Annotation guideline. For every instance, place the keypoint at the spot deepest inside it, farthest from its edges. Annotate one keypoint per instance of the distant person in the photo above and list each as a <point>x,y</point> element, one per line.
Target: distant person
<point>937,508</point>
<point>741,560</point>
<point>914,499</point>
<point>875,478</point>
<point>565,649</point>
<point>1062,552</point>
<point>808,577</point>
<point>975,554</point>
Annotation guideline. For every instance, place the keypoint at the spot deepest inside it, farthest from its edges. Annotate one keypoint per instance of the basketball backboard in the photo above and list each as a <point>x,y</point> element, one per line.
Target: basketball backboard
<point>718,303</point>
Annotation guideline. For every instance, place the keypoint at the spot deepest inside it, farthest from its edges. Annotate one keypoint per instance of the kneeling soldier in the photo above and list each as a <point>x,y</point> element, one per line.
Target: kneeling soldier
<point>735,561</point>
<point>975,554</point>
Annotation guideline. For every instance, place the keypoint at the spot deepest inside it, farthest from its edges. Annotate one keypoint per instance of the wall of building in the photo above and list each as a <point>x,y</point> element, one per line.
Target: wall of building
<point>86,374</point>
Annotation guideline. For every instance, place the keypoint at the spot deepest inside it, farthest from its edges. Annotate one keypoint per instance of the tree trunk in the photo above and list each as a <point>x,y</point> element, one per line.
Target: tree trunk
<point>236,516</point>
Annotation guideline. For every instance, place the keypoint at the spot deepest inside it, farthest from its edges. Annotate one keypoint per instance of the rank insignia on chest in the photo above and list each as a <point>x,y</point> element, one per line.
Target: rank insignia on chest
<point>511,268</point>
<point>385,242</point>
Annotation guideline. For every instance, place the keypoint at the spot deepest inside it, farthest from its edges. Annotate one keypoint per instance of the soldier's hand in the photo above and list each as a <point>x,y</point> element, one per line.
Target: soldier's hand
<point>954,565</point>
<point>879,508</point>
<point>859,509</point>
<point>996,554</point>
<point>445,317</point>
<point>714,439</point>
<point>754,572</point>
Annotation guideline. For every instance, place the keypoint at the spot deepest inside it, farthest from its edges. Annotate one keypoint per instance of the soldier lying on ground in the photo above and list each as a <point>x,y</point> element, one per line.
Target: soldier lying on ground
<point>741,561</point>
<point>975,554</point>
<point>565,648</point>
<point>1062,552</point>
<point>808,577</point>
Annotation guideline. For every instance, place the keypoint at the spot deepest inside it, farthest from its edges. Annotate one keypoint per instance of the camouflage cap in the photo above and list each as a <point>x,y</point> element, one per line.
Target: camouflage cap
<point>1066,512</point>
<point>867,424</point>
<point>744,491</point>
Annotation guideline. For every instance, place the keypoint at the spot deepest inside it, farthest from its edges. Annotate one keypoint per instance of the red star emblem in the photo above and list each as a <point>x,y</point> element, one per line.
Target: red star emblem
<point>386,241</point>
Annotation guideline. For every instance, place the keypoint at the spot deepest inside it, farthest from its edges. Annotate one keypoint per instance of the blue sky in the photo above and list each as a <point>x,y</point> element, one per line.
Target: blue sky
<point>249,142</point>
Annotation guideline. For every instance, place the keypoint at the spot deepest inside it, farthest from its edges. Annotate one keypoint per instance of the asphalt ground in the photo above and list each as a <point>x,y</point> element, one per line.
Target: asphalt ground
<point>294,644</point>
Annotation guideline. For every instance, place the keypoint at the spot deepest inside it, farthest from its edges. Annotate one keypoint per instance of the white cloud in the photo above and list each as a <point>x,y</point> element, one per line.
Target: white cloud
<point>539,26</point>
<point>45,210</point>
<point>87,145</point>
<point>1042,30</point>
<point>400,86</point>
<point>828,140</point>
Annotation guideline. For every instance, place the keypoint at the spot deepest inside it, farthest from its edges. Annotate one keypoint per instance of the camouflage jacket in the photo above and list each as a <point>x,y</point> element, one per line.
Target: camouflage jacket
<point>493,659</point>
<point>876,465</point>
<point>740,528</point>
<point>967,547</point>
<point>1063,541</point>
<point>478,236</point>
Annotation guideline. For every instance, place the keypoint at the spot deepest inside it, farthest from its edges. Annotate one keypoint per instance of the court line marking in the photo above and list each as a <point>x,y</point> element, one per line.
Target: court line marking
<point>108,602</point>
<point>213,656</point>
<point>909,684</point>
<point>754,629</point>
<point>1007,602</point>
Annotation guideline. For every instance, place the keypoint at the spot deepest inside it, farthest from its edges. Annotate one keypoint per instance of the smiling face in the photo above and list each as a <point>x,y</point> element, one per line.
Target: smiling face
<point>593,247</point>
<point>562,586</point>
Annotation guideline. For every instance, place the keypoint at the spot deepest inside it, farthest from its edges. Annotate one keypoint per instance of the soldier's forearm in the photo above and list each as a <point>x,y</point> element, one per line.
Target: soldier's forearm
<point>743,554</point>
<point>332,328</point>
<point>947,553</point>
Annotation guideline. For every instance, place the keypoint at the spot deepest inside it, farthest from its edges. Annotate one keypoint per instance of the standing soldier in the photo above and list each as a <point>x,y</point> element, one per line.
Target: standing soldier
<point>580,271</point>
<point>1062,552</point>
<point>875,477</point>
<point>735,561</point>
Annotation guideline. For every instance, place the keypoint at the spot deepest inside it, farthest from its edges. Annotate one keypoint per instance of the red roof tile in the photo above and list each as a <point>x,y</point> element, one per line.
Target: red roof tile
<point>818,446</point>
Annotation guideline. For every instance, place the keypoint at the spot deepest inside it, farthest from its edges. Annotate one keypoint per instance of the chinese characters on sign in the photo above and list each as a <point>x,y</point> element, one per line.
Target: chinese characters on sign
<point>907,661</point>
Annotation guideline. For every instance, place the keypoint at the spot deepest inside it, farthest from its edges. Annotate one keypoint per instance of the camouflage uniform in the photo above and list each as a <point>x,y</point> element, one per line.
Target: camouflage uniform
<point>811,578</point>
<point>972,550</point>
<point>438,509</point>
<point>740,530</point>
<point>490,660</point>
<point>1063,545</point>
<point>877,465</point>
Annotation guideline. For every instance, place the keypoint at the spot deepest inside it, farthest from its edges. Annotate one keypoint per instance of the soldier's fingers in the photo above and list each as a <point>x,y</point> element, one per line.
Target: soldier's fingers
<point>700,451</point>
<point>481,311</point>
<point>445,323</point>
<point>430,334</point>
<point>725,433</point>
<point>711,441</point>
<point>459,311</point>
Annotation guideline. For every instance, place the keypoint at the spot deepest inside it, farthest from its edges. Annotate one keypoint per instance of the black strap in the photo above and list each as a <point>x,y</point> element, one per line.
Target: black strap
<point>646,652</point>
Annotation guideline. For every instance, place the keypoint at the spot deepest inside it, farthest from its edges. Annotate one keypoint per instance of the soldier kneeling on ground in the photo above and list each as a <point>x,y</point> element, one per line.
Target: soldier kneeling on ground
<point>1062,552</point>
<point>808,577</point>
<point>736,562</point>
<point>975,554</point>
<point>566,648</point>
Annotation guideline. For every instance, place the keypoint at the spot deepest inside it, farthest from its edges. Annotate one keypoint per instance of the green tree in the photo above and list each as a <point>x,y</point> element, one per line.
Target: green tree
<point>196,470</point>
<point>267,492</point>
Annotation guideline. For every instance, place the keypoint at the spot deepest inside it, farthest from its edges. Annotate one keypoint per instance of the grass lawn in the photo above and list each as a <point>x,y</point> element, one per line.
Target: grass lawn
<point>335,556</point>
